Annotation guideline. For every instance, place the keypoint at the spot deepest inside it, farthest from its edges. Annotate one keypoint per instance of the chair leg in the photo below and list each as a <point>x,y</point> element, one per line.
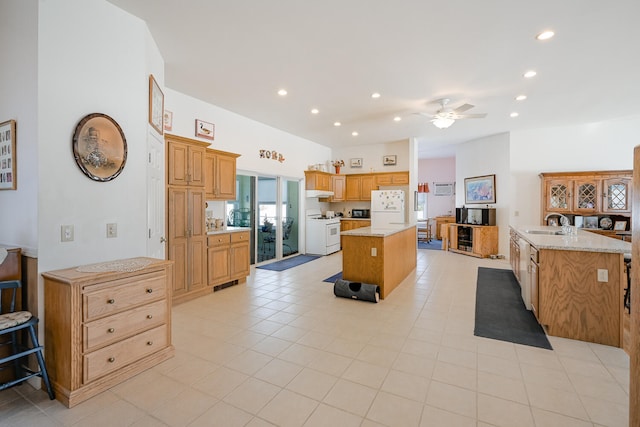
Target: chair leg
<point>43,368</point>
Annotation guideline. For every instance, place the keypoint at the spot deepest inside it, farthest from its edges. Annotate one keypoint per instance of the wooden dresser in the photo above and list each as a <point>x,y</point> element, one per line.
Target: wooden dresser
<point>103,327</point>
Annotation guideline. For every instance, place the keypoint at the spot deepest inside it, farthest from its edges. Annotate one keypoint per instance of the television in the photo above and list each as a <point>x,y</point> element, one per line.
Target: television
<point>476,216</point>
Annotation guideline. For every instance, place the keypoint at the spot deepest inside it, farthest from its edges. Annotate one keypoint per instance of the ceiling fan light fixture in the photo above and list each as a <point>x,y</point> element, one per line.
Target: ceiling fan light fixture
<point>442,122</point>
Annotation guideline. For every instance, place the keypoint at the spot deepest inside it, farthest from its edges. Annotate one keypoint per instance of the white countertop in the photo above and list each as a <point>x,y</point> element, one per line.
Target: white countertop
<point>584,241</point>
<point>378,232</point>
<point>228,230</point>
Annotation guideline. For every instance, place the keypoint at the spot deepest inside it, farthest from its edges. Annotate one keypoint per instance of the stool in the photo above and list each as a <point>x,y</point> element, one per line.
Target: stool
<point>11,323</point>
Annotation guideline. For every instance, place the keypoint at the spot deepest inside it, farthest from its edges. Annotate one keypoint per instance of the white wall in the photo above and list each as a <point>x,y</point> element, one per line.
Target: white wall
<point>19,86</point>
<point>438,170</point>
<point>372,155</point>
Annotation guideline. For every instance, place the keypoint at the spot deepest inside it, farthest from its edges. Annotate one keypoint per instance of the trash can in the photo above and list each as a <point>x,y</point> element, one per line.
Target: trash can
<point>356,290</point>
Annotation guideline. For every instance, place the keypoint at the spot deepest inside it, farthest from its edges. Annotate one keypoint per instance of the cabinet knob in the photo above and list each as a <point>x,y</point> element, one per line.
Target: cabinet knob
<point>149,316</point>
<point>149,342</point>
<point>149,290</point>
<point>111,330</point>
<point>111,359</point>
<point>111,301</point>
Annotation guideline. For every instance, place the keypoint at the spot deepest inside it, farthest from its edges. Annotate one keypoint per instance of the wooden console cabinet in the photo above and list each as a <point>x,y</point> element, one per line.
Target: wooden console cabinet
<point>476,240</point>
<point>103,328</point>
<point>228,257</point>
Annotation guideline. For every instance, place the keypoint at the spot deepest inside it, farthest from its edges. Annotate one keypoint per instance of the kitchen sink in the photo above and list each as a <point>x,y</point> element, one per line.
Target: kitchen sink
<point>547,232</point>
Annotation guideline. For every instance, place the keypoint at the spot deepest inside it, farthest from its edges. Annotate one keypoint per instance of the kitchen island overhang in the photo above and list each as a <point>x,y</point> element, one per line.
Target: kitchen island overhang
<point>380,256</point>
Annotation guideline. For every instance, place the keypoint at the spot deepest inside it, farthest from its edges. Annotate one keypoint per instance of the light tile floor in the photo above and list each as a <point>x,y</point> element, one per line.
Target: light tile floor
<point>282,350</point>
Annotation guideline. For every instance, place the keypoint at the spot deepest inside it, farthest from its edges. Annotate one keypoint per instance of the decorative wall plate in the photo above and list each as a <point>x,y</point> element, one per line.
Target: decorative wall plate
<point>606,223</point>
<point>99,147</point>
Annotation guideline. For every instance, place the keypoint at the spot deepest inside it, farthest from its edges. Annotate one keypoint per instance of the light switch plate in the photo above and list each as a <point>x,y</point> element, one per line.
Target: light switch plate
<point>603,275</point>
<point>66,233</point>
<point>112,230</point>
<point>374,251</point>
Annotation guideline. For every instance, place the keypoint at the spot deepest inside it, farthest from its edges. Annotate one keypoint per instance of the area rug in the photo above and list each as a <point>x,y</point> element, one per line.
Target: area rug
<point>333,278</point>
<point>288,263</point>
<point>433,244</point>
<point>501,313</point>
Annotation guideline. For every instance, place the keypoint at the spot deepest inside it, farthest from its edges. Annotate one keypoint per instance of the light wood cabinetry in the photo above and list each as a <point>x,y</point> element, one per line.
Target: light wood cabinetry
<point>103,328</point>
<point>359,187</point>
<point>392,178</point>
<point>228,257</point>
<point>534,280</point>
<point>220,175</point>
<point>443,220</point>
<point>317,180</point>
<point>338,186</point>
<point>476,240</point>
<point>352,224</point>
<point>186,232</point>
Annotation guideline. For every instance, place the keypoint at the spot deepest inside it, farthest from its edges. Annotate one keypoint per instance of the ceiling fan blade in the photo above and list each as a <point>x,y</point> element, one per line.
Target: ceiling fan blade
<point>463,108</point>
<point>471,116</point>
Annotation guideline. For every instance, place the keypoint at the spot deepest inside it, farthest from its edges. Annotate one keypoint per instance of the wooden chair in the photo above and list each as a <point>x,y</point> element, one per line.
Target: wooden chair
<point>424,231</point>
<point>11,323</point>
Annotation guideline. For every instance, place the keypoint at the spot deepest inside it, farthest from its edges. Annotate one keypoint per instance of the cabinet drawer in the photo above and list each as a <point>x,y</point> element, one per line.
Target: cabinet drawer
<point>219,239</point>
<point>242,236</point>
<point>534,254</point>
<point>119,326</point>
<point>119,297</point>
<point>120,354</point>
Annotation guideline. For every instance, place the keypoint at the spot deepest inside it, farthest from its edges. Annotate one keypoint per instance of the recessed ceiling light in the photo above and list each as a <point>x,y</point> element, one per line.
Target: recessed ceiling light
<point>354,133</point>
<point>282,92</point>
<point>337,124</point>
<point>545,35</point>
<point>315,111</point>
<point>521,97</point>
<point>530,74</point>
<point>397,118</point>
<point>375,95</point>
<point>514,114</point>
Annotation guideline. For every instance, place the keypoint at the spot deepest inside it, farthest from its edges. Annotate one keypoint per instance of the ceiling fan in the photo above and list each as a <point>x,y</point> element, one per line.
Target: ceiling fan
<point>445,116</point>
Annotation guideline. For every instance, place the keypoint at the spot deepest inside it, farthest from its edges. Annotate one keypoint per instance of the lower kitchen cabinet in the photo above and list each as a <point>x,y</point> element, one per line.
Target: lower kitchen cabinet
<point>105,324</point>
<point>476,240</point>
<point>228,257</point>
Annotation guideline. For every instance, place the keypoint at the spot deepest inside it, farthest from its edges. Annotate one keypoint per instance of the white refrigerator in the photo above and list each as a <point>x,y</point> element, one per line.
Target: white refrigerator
<point>387,207</point>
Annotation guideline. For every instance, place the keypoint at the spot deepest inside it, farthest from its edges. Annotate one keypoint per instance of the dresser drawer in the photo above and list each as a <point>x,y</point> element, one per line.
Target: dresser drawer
<point>120,297</point>
<point>219,239</point>
<point>114,328</point>
<point>240,236</point>
<point>120,354</point>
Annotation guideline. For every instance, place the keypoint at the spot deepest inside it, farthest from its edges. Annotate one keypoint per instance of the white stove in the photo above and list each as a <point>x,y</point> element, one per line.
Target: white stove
<point>323,233</point>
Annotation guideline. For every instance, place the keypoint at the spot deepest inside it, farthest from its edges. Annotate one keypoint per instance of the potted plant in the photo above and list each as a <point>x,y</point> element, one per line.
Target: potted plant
<point>338,164</point>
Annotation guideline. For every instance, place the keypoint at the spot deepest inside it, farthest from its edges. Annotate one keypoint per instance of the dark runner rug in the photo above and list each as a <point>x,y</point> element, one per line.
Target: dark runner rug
<point>434,244</point>
<point>286,264</point>
<point>333,278</point>
<point>501,313</point>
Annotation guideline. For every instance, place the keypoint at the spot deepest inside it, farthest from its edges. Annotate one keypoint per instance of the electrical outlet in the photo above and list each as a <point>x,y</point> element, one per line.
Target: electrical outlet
<point>603,275</point>
<point>374,251</point>
<point>66,233</point>
<point>112,230</point>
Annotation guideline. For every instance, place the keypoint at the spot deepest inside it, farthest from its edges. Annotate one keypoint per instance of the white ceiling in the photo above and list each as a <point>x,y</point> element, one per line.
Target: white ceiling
<point>333,54</point>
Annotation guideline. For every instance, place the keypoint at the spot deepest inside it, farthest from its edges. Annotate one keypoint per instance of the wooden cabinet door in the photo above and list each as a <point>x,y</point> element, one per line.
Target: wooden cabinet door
<point>616,195</point>
<point>197,240</point>
<point>367,184</point>
<point>586,195</point>
<point>210,175</point>
<point>352,187</point>
<point>219,263</point>
<point>338,186</point>
<point>533,283</point>
<point>178,163</point>
<point>453,237</point>
<point>240,260</point>
<point>178,240</point>
<point>226,177</point>
<point>196,166</point>
<point>558,195</point>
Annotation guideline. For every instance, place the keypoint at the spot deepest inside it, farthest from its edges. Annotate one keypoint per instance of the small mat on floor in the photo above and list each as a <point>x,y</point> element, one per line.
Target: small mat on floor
<point>286,264</point>
<point>333,278</point>
<point>501,313</point>
<point>433,244</point>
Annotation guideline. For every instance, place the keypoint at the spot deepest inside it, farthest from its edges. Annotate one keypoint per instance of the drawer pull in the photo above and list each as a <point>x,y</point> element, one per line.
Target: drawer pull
<point>149,290</point>
<point>111,359</point>
<point>111,301</point>
<point>149,342</point>
<point>149,316</point>
<point>111,330</point>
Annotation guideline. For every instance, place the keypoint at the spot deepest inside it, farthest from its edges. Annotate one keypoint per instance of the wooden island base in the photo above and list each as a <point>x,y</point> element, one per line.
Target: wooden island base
<point>394,259</point>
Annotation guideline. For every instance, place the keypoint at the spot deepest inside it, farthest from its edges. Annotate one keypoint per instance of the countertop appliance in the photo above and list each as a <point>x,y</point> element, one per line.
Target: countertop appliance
<point>323,234</point>
<point>387,207</point>
<point>360,213</point>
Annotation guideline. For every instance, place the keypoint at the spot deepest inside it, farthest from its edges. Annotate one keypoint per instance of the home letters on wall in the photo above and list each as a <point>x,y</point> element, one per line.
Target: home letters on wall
<point>271,154</point>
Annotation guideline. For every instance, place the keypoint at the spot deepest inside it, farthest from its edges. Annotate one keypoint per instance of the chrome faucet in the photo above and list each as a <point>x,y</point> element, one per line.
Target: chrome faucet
<point>563,219</point>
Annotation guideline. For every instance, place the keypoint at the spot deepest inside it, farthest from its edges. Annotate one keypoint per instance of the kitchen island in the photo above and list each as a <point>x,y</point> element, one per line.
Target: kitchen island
<point>380,256</point>
<point>576,283</point>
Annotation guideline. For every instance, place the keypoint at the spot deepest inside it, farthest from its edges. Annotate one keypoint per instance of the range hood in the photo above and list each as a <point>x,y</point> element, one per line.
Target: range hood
<point>319,193</point>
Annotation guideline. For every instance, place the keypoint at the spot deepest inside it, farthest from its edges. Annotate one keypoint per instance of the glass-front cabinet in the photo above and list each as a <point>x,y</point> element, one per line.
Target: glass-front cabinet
<point>558,195</point>
<point>616,195</point>
<point>587,195</point>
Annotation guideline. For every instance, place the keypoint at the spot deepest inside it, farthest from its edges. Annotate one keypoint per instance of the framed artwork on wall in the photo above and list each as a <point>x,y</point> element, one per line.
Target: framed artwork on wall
<point>480,189</point>
<point>356,162</point>
<point>205,129</point>
<point>8,155</point>
<point>390,160</point>
<point>156,105</point>
<point>99,147</point>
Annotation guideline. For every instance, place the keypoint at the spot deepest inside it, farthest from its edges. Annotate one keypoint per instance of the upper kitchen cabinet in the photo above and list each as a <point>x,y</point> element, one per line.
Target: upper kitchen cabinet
<point>392,178</point>
<point>587,195</point>
<point>338,186</point>
<point>220,175</point>
<point>616,195</point>
<point>185,164</point>
<point>359,187</point>
<point>557,195</point>
<point>317,180</point>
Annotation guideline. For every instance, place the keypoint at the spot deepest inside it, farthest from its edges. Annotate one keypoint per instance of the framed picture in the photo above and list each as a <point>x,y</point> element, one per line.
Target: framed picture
<point>204,129</point>
<point>390,160</point>
<point>156,105</point>
<point>620,225</point>
<point>99,147</point>
<point>8,155</point>
<point>167,120</point>
<point>356,163</point>
<point>591,222</point>
<point>480,189</point>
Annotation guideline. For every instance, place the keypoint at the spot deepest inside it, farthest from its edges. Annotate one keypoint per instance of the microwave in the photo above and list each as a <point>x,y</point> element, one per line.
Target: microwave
<point>360,213</point>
